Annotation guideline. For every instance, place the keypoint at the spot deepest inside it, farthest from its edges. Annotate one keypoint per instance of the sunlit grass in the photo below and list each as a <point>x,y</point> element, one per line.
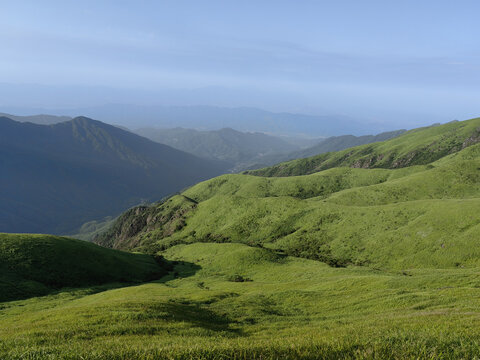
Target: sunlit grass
<point>289,308</point>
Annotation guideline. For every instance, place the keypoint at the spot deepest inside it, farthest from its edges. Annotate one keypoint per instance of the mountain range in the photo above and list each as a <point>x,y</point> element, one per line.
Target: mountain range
<point>41,119</point>
<point>59,171</point>
<point>225,144</point>
<point>367,252</point>
<point>354,206</point>
<point>254,150</point>
<point>245,119</point>
<point>333,143</point>
<point>57,177</point>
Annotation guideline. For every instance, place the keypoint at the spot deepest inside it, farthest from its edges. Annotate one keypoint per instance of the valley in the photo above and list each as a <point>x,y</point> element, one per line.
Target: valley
<point>239,180</point>
<point>370,252</point>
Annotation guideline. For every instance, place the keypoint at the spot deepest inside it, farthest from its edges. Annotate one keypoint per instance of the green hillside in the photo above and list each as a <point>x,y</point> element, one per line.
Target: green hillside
<point>333,143</point>
<point>34,265</point>
<point>241,302</point>
<point>421,216</point>
<point>415,147</point>
<point>350,262</point>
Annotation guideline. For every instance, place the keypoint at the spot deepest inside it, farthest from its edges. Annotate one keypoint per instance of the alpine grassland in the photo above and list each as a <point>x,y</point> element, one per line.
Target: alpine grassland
<point>368,253</point>
<point>234,301</point>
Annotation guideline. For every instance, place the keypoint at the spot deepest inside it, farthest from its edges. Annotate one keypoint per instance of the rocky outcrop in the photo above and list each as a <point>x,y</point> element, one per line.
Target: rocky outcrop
<point>159,221</point>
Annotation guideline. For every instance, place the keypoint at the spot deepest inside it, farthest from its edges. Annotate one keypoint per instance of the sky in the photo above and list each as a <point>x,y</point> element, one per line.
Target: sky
<point>386,61</point>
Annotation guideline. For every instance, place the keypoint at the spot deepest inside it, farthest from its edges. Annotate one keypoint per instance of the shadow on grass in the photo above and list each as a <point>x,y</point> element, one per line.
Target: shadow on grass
<point>193,314</point>
<point>169,271</point>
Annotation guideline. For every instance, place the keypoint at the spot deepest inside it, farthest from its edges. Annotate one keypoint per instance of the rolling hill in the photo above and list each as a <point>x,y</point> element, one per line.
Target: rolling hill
<point>370,262</point>
<point>61,176</point>
<point>402,214</point>
<point>337,143</point>
<point>417,146</point>
<point>330,144</point>
<point>245,302</point>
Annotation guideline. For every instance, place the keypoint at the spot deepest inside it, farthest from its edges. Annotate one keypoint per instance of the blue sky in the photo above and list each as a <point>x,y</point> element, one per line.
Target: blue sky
<point>382,60</point>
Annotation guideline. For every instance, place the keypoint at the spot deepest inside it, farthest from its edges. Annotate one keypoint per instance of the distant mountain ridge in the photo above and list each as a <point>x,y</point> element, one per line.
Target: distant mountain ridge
<point>225,144</point>
<point>337,143</point>
<point>61,176</point>
<point>41,119</point>
<point>334,143</point>
<point>252,150</point>
<point>213,118</point>
<point>419,146</point>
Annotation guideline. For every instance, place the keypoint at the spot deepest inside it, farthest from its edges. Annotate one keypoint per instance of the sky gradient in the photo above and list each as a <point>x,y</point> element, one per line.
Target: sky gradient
<point>379,60</point>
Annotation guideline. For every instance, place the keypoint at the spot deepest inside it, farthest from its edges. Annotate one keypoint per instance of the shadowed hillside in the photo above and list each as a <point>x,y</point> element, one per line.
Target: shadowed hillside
<point>61,176</point>
<point>35,265</point>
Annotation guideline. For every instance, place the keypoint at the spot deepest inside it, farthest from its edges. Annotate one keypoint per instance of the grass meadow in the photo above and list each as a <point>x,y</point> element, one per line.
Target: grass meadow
<point>232,301</point>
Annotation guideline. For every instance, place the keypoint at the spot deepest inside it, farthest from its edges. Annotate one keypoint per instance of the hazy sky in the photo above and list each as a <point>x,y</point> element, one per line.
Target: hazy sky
<point>372,58</point>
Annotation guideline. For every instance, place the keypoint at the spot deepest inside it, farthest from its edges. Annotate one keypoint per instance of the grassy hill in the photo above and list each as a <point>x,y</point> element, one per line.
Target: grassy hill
<point>415,147</point>
<point>242,302</point>
<point>333,143</point>
<point>34,265</point>
<point>64,175</point>
<point>421,216</point>
<point>351,262</point>
<point>337,143</point>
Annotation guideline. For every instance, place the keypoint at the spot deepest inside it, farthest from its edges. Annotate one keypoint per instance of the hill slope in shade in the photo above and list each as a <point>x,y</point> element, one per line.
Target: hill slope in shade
<point>422,216</point>
<point>34,265</point>
<point>224,144</point>
<point>61,176</point>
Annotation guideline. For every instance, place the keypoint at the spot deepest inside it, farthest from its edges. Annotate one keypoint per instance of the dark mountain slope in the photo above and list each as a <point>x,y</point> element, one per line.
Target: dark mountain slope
<point>57,177</point>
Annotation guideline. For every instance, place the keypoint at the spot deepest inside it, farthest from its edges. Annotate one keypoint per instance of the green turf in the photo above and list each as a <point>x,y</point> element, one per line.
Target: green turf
<point>286,308</point>
<point>33,265</point>
<point>415,217</point>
